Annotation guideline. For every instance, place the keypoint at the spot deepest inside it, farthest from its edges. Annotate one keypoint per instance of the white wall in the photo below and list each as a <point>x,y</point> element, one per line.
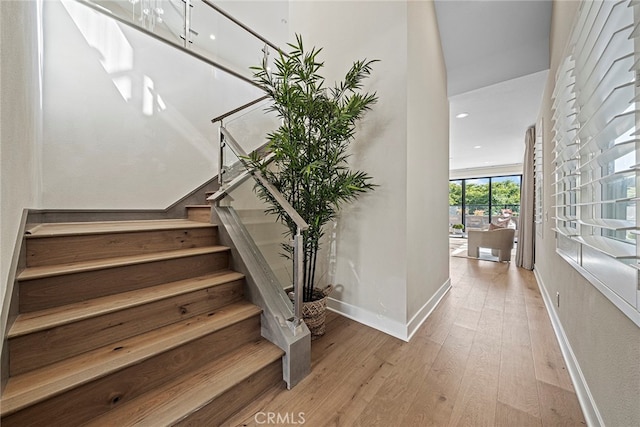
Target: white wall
<point>371,265</point>
<point>606,344</point>
<point>20,123</point>
<point>376,263</point>
<point>427,165</point>
<point>126,118</point>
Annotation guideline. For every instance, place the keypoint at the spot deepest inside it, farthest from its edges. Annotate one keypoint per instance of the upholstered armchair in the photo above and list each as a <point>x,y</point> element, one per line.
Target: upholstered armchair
<point>500,241</point>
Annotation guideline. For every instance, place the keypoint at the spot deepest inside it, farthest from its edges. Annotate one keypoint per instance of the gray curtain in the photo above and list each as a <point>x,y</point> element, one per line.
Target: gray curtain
<point>526,234</point>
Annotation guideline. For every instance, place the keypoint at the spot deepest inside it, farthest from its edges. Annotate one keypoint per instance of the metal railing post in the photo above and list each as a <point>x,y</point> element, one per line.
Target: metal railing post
<point>297,277</point>
<point>187,22</point>
<point>220,159</point>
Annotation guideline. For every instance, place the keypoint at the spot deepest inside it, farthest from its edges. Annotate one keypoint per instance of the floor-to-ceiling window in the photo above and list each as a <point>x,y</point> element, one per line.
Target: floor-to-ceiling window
<point>478,201</point>
<point>455,202</point>
<point>505,195</point>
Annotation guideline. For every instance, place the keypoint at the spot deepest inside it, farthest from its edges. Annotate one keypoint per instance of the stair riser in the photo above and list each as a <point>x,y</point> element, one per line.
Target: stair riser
<point>67,249</point>
<point>199,214</point>
<point>41,348</point>
<point>223,407</point>
<point>83,403</point>
<point>48,292</point>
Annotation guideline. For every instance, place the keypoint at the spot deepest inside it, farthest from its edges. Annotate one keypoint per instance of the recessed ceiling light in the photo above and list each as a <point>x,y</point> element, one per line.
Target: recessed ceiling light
<point>212,36</point>
<point>462,115</point>
<point>477,146</point>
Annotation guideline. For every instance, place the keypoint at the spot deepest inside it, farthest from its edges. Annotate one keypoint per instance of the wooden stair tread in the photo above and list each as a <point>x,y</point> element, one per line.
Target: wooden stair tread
<point>27,323</point>
<point>104,227</point>
<point>35,386</point>
<point>169,404</point>
<point>78,267</point>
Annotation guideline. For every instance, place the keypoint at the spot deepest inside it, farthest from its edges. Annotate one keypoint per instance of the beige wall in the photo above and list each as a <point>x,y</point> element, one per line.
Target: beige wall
<point>389,251</point>
<point>606,344</point>
<point>20,123</point>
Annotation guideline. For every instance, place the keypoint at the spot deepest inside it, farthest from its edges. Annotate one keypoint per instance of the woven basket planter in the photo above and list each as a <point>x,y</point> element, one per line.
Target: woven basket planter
<point>314,313</point>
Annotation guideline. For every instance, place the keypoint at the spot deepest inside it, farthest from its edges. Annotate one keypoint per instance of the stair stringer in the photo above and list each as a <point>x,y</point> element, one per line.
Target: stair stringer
<point>9,310</point>
<point>264,290</point>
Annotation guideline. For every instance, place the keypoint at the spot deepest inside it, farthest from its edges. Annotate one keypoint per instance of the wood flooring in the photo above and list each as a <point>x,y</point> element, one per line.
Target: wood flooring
<point>487,356</point>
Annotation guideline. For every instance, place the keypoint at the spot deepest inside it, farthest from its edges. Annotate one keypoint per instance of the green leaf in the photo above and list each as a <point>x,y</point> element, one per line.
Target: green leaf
<point>311,145</point>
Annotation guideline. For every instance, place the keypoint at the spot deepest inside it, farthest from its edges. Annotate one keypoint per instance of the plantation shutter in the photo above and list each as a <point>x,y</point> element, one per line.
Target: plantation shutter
<point>538,175</point>
<point>596,150</point>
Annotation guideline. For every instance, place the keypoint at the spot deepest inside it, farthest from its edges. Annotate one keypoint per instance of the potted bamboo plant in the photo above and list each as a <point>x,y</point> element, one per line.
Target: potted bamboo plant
<point>311,151</point>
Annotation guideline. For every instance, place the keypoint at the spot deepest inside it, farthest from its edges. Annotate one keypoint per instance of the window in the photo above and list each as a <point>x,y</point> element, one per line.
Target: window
<point>477,202</point>
<point>455,202</point>
<point>505,195</point>
<point>596,151</point>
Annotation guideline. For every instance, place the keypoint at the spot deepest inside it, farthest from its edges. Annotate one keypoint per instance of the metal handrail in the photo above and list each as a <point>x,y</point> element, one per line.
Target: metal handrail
<point>237,110</point>
<point>256,35</point>
<point>196,55</point>
<point>243,26</point>
<point>301,225</point>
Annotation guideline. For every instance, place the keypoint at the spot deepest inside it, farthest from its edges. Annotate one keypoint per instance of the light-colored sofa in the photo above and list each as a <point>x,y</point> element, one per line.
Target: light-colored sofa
<point>500,241</point>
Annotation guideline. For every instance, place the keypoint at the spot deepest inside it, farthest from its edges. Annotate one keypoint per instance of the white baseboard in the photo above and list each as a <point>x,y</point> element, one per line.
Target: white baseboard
<point>384,324</point>
<point>587,403</point>
<point>419,318</point>
<point>366,317</point>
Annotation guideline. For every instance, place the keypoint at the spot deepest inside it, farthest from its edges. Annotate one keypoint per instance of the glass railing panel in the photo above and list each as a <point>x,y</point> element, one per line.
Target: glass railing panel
<point>223,41</point>
<point>115,116</point>
<point>249,128</point>
<point>209,33</point>
<point>231,166</point>
<point>267,233</point>
<point>455,218</point>
<point>477,217</point>
<point>162,17</point>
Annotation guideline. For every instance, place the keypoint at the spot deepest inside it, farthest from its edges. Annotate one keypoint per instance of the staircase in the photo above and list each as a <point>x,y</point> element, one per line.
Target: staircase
<point>133,322</point>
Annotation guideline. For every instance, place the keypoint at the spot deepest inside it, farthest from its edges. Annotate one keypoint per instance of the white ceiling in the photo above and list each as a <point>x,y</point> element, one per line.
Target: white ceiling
<point>496,53</point>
